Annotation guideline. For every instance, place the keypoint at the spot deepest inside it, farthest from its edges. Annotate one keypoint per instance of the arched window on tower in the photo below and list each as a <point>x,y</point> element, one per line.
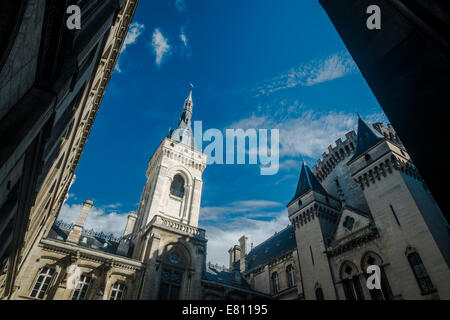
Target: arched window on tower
<point>420,272</point>
<point>174,265</point>
<point>350,282</point>
<point>385,292</point>
<point>177,186</point>
<point>275,283</point>
<point>290,275</point>
<point>319,294</point>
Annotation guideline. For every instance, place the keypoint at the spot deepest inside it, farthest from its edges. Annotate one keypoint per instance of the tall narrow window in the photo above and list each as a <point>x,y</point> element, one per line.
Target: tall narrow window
<point>421,274</point>
<point>385,293</point>
<point>394,214</point>
<point>290,275</point>
<point>117,291</point>
<point>319,294</point>
<point>351,283</point>
<point>177,186</point>
<point>81,288</point>
<point>275,283</point>
<point>42,283</point>
<point>169,288</point>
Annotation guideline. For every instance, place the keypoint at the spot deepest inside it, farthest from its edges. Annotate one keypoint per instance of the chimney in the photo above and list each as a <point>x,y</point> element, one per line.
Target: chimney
<point>243,253</point>
<point>124,244</point>
<point>230,252</point>
<point>130,224</point>
<point>234,267</point>
<point>75,233</point>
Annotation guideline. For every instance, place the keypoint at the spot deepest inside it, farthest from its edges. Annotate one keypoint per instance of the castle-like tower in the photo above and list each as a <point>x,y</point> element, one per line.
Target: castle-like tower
<point>367,205</point>
<point>165,235</point>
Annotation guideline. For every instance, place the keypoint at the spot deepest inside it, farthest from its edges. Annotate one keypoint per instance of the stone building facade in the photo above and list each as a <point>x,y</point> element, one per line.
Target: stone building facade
<point>364,205</point>
<point>162,253</point>
<point>52,81</point>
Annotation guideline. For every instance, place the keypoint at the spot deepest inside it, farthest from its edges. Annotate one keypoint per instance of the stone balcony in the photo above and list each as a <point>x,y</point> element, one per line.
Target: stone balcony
<point>179,227</point>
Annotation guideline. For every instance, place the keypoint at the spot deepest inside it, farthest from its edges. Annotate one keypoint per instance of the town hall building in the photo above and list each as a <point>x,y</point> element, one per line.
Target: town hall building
<point>363,204</point>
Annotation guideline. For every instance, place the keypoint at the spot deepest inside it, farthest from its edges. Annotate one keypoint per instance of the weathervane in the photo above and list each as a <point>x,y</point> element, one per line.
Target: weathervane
<point>192,86</point>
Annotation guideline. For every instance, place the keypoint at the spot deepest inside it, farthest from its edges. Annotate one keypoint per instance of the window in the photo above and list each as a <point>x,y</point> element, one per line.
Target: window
<point>117,291</point>
<point>350,282</point>
<point>177,186</point>
<point>421,274</point>
<point>376,294</point>
<point>290,275</point>
<point>348,223</point>
<point>275,283</point>
<point>169,288</point>
<point>42,283</point>
<point>319,294</point>
<point>81,288</point>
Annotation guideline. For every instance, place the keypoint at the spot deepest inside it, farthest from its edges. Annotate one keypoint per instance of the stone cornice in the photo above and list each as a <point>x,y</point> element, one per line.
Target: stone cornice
<point>90,254</point>
<point>353,240</point>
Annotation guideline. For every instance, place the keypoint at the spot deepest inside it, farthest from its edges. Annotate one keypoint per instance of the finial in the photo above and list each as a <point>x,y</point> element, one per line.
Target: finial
<point>303,160</point>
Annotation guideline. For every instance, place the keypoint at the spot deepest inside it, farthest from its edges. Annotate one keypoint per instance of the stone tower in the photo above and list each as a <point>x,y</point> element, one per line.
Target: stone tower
<point>414,232</point>
<point>165,234</point>
<point>313,213</point>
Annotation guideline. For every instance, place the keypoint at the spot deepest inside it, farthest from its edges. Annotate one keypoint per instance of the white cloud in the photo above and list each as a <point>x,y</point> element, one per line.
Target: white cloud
<point>160,46</point>
<point>309,134</point>
<point>180,5</point>
<point>236,207</point>
<point>317,71</point>
<point>97,219</point>
<point>184,39</point>
<point>133,34</point>
<point>223,237</point>
<point>335,66</point>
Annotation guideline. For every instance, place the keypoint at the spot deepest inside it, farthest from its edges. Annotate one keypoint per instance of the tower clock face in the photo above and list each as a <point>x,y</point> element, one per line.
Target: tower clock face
<point>174,258</point>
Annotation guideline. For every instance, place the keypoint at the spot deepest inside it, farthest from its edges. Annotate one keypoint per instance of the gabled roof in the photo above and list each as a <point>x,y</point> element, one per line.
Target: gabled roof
<point>366,138</point>
<point>277,245</point>
<point>307,182</point>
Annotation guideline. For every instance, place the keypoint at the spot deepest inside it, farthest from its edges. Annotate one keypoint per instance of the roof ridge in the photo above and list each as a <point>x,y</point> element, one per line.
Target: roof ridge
<point>275,234</point>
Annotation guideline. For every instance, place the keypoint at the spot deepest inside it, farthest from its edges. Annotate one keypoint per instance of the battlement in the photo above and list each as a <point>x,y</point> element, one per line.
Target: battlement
<point>388,132</point>
<point>346,148</point>
<point>341,151</point>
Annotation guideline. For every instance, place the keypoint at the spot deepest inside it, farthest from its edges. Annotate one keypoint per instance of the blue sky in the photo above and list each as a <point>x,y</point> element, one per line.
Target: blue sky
<point>255,64</point>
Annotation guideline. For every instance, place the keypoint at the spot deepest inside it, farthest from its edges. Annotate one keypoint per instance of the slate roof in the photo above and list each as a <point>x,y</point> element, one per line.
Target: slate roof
<point>94,240</point>
<point>366,138</point>
<point>219,275</point>
<point>277,245</point>
<point>307,182</point>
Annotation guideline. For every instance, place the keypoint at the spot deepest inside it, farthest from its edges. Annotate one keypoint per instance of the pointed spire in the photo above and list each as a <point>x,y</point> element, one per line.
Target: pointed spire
<point>183,133</point>
<point>307,182</point>
<point>366,138</point>
<point>190,92</point>
<point>303,160</point>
